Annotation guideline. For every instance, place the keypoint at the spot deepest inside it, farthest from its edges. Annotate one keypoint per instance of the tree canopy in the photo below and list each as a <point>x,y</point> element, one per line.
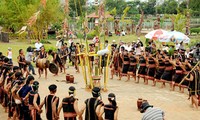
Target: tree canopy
<point>15,13</point>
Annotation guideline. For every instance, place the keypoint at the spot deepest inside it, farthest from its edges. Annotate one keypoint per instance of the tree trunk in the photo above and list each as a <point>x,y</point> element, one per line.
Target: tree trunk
<point>139,26</point>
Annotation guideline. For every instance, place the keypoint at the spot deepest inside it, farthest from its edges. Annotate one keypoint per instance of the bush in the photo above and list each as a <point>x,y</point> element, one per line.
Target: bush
<point>47,48</point>
<point>79,35</point>
<point>195,30</point>
<point>51,36</point>
<point>193,43</point>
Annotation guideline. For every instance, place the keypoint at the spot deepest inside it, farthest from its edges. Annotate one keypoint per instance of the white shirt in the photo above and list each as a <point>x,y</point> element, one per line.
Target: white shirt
<point>29,56</point>
<point>123,33</point>
<point>138,51</point>
<point>177,46</point>
<point>38,46</point>
<point>9,55</point>
<point>59,44</point>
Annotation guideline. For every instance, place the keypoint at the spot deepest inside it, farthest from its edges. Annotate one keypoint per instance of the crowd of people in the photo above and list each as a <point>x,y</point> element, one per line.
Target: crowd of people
<point>21,100</point>
<point>19,93</point>
<point>20,97</point>
<point>171,64</point>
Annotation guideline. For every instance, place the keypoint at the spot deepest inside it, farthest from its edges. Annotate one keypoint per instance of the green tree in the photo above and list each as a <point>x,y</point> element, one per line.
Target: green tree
<point>113,11</point>
<point>52,13</point>
<point>149,7</point>
<point>133,8</point>
<point>15,13</point>
<point>119,4</point>
<point>168,7</point>
<point>77,8</point>
<point>195,6</point>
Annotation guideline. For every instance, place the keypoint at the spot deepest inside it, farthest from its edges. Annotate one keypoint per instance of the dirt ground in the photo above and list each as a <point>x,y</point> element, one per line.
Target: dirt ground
<point>174,104</point>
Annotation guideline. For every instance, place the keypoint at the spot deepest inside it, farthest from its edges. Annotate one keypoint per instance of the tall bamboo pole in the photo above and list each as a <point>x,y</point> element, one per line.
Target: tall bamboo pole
<point>189,73</point>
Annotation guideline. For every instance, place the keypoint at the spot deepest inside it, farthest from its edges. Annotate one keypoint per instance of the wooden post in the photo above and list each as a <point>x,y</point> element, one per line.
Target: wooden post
<point>81,57</point>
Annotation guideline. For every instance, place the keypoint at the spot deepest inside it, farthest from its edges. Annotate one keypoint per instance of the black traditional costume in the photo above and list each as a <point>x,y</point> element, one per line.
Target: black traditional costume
<point>142,68</point>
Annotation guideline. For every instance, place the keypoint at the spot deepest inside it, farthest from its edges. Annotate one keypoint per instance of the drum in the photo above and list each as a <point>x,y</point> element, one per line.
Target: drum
<point>53,68</point>
<point>42,63</point>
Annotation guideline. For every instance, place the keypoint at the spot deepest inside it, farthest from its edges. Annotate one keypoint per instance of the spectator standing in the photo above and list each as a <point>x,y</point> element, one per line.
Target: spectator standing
<point>9,55</point>
<point>38,45</point>
<point>177,45</point>
<point>59,43</point>
<point>181,45</point>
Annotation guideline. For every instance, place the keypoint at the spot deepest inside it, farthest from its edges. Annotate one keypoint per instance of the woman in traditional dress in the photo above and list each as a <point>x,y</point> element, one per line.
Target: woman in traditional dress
<point>178,76</point>
<point>193,86</point>
<point>168,72</point>
<point>142,67</point>
<point>160,68</point>
<point>34,102</point>
<point>114,64</point>
<point>125,66</point>
<point>120,61</point>
<point>151,69</point>
<point>187,67</point>
<point>22,62</point>
<point>110,110</point>
<point>133,66</point>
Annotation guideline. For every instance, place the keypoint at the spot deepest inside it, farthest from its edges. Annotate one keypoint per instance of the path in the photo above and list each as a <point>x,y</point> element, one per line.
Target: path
<point>175,105</point>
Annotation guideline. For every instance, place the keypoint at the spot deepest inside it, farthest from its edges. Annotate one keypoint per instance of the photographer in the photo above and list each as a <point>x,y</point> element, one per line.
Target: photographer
<point>29,56</point>
<point>151,113</point>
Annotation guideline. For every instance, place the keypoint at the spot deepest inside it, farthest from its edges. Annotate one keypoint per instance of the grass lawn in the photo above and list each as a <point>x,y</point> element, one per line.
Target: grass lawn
<point>23,44</point>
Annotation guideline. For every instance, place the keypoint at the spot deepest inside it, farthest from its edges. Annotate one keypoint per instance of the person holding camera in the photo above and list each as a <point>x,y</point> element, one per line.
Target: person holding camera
<point>29,58</point>
<point>151,113</point>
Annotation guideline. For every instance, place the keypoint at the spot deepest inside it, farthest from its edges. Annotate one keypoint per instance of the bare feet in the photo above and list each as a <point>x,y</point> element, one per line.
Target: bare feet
<point>127,80</point>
